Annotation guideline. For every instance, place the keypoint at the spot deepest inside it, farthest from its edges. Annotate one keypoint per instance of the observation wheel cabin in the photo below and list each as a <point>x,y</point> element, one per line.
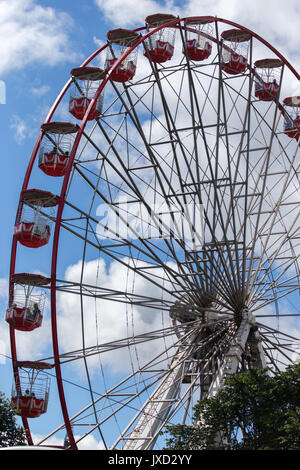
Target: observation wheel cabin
<point>27,303</point>
<point>292,116</point>
<point>159,46</point>
<point>33,227</point>
<point>198,43</point>
<point>30,392</point>
<point>267,79</point>
<point>55,148</point>
<point>85,83</point>
<point>235,46</point>
<point>121,41</point>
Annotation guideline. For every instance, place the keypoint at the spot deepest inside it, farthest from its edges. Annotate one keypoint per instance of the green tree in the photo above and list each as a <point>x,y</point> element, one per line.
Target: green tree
<point>253,411</point>
<point>10,433</point>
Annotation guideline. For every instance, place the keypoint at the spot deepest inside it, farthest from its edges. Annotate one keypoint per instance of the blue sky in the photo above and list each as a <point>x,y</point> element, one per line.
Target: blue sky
<point>41,41</point>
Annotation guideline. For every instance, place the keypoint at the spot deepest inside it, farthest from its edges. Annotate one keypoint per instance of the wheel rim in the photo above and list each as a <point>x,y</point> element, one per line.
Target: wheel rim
<point>147,161</point>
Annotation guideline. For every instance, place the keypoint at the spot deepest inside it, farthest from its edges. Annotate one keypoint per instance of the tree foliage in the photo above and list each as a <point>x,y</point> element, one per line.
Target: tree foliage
<point>10,433</point>
<point>253,411</point>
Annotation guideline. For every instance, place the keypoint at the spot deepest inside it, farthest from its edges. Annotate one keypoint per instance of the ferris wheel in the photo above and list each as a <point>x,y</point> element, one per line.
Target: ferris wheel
<point>167,204</point>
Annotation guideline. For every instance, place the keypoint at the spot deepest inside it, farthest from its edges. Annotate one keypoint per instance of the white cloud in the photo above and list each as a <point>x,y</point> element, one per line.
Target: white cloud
<point>98,42</point>
<point>4,342</point>
<point>3,287</point>
<point>20,128</point>
<point>4,330</point>
<point>3,351</point>
<point>31,33</point>
<point>28,345</point>
<point>88,443</point>
<point>133,13</point>
<point>40,90</point>
<point>36,343</point>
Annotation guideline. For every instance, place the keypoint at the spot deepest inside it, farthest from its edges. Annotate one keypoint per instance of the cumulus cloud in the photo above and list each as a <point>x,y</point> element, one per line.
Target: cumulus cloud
<point>20,128</point>
<point>28,345</point>
<point>3,287</point>
<point>40,90</point>
<point>88,443</point>
<point>4,336</point>
<point>31,33</point>
<point>4,343</point>
<point>132,13</point>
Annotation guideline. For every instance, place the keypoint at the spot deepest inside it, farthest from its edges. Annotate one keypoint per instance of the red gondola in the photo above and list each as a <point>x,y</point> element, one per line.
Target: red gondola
<point>267,78</point>
<point>198,44</point>
<point>28,407</point>
<point>122,40</point>
<point>79,106</point>
<point>267,91</point>
<point>86,81</point>
<point>236,64</point>
<point>235,51</point>
<point>124,72</point>
<point>54,163</point>
<point>55,147</point>
<point>292,117</point>
<point>159,47</point>
<point>25,312</point>
<point>33,228</point>
<point>24,319</point>
<point>195,53</point>
<point>161,51</point>
<point>32,234</point>
<point>31,393</point>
